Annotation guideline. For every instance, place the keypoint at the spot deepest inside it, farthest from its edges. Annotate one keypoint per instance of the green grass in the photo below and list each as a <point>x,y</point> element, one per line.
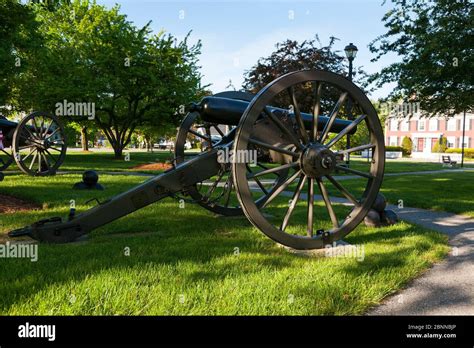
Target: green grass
<point>105,161</point>
<point>189,254</point>
<point>452,192</point>
<point>396,166</point>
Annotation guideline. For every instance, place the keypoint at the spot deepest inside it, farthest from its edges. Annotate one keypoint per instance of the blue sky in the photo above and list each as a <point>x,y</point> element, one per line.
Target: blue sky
<point>236,33</point>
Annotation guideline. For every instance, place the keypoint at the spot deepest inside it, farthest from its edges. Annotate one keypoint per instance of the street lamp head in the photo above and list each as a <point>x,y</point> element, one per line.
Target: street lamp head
<point>351,51</point>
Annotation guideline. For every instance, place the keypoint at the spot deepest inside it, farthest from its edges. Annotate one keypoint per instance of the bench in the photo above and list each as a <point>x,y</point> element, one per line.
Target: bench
<point>448,162</point>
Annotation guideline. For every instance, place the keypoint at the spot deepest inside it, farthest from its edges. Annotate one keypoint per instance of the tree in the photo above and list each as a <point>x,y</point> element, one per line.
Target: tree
<point>131,76</point>
<point>407,145</point>
<point>291,55</point>
<point>440,145</point>
<point>19,39</point>
<point>434,39</point>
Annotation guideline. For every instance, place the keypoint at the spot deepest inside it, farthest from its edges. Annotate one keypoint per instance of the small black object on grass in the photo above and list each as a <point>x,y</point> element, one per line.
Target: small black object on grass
<point>378,216</point>
<point>89,181</point>
<point>2,176</point>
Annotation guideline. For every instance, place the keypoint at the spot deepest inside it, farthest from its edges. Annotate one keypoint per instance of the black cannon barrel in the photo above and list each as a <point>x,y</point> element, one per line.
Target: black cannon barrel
<point>229,111</point>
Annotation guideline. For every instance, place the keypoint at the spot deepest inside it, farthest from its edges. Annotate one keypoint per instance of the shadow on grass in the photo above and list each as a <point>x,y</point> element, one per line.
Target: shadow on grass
<point>179,243</point>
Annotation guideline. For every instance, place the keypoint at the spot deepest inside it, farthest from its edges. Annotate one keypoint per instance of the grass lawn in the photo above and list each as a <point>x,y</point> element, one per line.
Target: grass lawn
<point>105,161</point>
<point>395,166</point>
<point>453,192</point>
<point>190,262</point>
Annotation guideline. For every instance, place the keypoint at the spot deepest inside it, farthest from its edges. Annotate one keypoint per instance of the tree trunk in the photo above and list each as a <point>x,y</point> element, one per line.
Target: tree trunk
<point>117,150</point>
<point>84,140</point>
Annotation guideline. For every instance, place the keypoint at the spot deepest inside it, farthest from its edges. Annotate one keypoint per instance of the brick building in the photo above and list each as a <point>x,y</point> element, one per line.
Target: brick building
<point>424,131</point>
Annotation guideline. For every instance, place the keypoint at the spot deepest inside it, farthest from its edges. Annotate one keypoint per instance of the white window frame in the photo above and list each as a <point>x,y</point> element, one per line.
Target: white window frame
<point>405,126</point>
<point>393,124</point>
<point>393,140</point>
<point>451,124</point>
<point>433,124</point>
<point>467,141</point>
<point>451,141</point>
<point>421,122</point>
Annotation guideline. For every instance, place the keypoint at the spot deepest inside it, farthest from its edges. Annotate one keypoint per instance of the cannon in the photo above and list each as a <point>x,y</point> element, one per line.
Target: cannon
<point>37,144</point>
<point>269,148</point>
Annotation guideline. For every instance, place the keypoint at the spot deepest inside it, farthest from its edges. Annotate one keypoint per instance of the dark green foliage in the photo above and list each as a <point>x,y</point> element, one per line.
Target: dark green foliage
<point>435,40</point>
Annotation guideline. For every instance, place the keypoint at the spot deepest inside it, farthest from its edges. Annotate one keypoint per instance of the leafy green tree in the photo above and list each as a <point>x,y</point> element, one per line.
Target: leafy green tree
<point>435,41</point>
<point>407,145</point>
<point>19,40</point>
<point>441,145</point>
<point>291,55</point>
<point>95,55</point>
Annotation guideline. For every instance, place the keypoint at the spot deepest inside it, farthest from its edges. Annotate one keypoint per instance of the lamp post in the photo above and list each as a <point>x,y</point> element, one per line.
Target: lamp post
<point>351,52</point>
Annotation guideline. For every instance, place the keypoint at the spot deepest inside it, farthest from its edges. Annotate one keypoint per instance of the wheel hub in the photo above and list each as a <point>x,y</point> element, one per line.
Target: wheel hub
<point>317,160</point>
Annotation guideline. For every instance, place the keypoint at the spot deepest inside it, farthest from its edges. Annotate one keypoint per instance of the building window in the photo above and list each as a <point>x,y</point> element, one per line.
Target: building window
<point>468,123</point>
<point>421,125</point>
<point>393,141</point>
<point>467,142</point>
<point>451,124</point>
<point>433,124</point>
<point>405,126</point>
<point>451,141</point>
<point>394,124</point>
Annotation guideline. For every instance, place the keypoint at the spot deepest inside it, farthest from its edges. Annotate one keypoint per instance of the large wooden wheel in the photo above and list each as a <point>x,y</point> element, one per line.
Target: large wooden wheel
<point>312,154</point>
<point>39,144</point>
<point>218,193</point>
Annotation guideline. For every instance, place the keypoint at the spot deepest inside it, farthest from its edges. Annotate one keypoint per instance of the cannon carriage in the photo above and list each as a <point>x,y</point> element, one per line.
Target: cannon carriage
<point>37,144</point>
<point>290,136</point>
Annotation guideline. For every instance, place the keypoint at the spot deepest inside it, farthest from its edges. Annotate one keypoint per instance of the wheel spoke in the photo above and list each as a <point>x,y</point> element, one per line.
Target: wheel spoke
<point>229,192</point>
<point>327,201</point>
<point>39,161</point>
<point>45,160</point>
<point>41,128</point>
<point>35,126</point>
<point>30,153</point>
<point>210,191</point>
<point>257,181</point>
<point>273,170</point>
<point>354,149</point>
<point>272,147</point>
<point>33,160</point>
<point>208,134</point>
<point>281,188</point>
<point>299,119</point>
<point>341,188</point>
<point>218,130</point>
<point>52,147</point>
<point>46,130</point>
<point>31,137</point>
<point>346,130</point>
<point>293,203</point>
<point>49,153</point>
<point>283,128</point>
<point>26,147</point>
<point>199,135</point>
<point>54,132</point>
<point>309,230</point>
<point>316,111</point>
<point>332,117</point>
<point>356,172</point>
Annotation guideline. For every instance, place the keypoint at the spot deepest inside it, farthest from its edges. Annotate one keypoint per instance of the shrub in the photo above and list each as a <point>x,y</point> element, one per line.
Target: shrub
<point>440,145</point>
<point>468,152</point>
<point>393,148</point>
<point>407,146</point>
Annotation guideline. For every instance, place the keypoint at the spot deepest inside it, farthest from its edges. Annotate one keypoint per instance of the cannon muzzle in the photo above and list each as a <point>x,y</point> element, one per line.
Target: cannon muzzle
<point>229,112</point>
